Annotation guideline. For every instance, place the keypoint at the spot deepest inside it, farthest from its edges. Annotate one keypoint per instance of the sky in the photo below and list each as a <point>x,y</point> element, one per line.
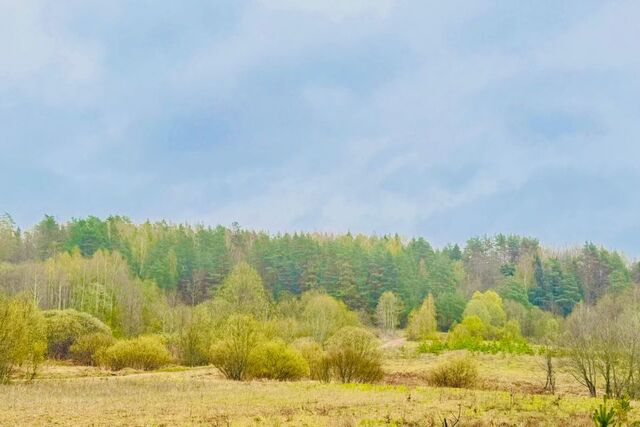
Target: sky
<point>437,119</point>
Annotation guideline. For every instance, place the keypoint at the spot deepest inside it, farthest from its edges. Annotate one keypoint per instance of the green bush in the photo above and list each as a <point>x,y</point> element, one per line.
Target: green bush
<point>64,327</point>
<point>275,360</point>
<point>316,357</point>
<point>22,337</point>
<point>354,356</point>
<point>491,347</point>
<point>145,352</point>
<point>231,355</point>
<point>85,348</point>
<point>459,372</point>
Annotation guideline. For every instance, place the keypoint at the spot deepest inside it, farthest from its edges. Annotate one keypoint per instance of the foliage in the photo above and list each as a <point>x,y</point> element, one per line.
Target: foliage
<point>388,311</point>
<point>64,327</point>
<point>22,336</point>
<point>243,290</point>
<point>323,316</point>
<point>146,352</point>
<point>604,416</point>
<point>354,356</point>
<point>603,344</point>
<point>490,347</point>
<point>196,328</point>
<point>86,347</point>
<point>471,332</point>
<point>459,372</point>
<point>316,357</point>
<point>232,354</point>
<point>278,361</point>
<point>422,322</point>
<point>449,309</point>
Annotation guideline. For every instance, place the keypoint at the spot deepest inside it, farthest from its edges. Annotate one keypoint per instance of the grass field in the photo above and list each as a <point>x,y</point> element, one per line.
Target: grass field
<point>507,395</point>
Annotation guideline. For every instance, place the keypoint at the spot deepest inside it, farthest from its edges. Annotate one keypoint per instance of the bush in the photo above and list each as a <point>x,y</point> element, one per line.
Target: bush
<point>471,332</point>
<point>85,348</point>
<point>64,327</point>
<point>354,356</point>
<point>323,316</point>
<point>277,361</point>
<point>22,337</point>
<point>316,357</point>
<point>458,372</point>
<point>422,322</point>
<point>231,355</point>
<point>145,352</point>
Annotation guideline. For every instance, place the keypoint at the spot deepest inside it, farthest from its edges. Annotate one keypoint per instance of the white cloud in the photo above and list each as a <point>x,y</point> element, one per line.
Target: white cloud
<point>336,10</point>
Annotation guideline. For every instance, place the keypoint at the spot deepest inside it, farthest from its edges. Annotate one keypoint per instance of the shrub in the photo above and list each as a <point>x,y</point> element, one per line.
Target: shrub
<point>275,360</point>
<point>85,348</point>
<point>64,327</point>
<point>422,322</point>
<point>354,356</point>
<point>459,372</point>
<point>316,357</point>
<point>144,352</point>
<point>323,316</point>
<point>470,332</point>
<point>231,355</point>
<point>22,337</point>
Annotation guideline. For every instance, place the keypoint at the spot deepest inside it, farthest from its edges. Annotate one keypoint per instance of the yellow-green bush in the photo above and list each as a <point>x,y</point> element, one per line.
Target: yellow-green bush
<point>422,323</point>
<point>64,327</point>
<point>146,352</point>
<point>316,357</point>
<point>354,356</point>
<point>460,372</point>
<point>85,348</point>
<point>231,355</point>
<point>276,360</point>
<point>470,332</point>
<point>22,336</point>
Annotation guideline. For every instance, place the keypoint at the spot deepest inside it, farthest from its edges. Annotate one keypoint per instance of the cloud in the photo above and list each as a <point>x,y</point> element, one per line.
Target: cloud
<point>445,120</point>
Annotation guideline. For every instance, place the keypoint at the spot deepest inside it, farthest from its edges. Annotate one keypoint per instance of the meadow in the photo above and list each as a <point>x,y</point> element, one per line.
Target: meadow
<point>508,393</point>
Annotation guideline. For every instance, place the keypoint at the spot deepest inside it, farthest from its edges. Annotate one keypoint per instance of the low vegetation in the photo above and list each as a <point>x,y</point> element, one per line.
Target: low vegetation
<point>457,372</point>
<point>321,310</point>
<point>145,352</point>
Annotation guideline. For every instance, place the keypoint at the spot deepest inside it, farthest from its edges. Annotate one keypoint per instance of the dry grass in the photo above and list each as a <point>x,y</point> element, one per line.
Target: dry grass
<point>73,396</point>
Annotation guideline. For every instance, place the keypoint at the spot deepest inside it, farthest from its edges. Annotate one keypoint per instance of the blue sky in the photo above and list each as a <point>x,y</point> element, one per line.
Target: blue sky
<point>439,119</point>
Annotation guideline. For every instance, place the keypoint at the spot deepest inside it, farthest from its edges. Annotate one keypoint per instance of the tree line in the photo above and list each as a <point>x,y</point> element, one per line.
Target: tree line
<point>191,262</point>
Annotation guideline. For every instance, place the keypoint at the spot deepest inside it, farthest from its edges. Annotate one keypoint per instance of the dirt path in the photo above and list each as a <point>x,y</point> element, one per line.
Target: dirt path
<point>394,343</point>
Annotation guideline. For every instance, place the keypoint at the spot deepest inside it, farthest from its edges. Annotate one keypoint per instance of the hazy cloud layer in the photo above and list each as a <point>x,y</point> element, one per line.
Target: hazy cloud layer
<point>422,118</point>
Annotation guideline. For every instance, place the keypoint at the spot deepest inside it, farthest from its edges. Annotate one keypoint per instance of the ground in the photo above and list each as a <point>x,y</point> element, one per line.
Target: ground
<point>509,394</point>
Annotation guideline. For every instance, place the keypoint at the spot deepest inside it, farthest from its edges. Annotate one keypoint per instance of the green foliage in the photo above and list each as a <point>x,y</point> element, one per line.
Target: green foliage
<point>64,327</point>
<point>603,416</point>
<point>22,336</point>
<point>323,315</point>
<point>243,290</point>
<point>278,361</point>
<point>458,372</point>
<point>471,332</point>
<point>488,307</point>
<point>388,311</point>
<point>354,356</point>
<point>489,347</point>
<point>316,357</point>
<point>449,309</point>
<point>85,347</point>
<point>422,322</point>
<point>196,329</point>
<point>146,352</point>
<point>232,354</point>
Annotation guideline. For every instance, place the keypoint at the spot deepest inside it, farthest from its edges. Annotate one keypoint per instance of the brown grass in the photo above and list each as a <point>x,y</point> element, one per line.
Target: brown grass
<point>74,396</point>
